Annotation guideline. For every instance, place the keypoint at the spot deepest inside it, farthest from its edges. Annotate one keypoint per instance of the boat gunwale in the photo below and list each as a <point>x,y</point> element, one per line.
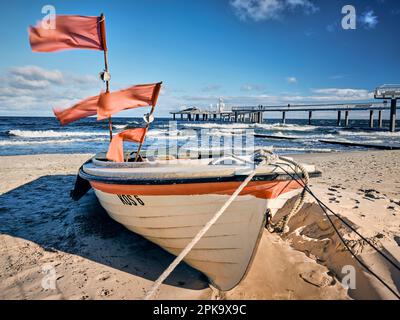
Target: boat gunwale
<point>167,181</point>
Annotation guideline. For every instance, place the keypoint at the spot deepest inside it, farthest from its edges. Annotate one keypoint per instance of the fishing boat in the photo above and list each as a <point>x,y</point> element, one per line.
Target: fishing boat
<point>169,201</point>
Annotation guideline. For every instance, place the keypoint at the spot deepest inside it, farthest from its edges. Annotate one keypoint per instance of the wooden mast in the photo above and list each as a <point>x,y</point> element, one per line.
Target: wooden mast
<point>106,74</point>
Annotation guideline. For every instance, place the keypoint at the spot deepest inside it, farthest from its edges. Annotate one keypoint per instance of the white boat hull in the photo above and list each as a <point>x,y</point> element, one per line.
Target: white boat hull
<point>169,201</point>
<point>172,221</point>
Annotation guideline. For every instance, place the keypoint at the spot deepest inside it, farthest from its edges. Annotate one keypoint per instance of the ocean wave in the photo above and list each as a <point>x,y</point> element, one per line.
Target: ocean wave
<point>156,132</point>
<point>171,137</point>
<point>54,134</point>
<point>231,126</point>
<point>119,126</point>
<point>225,149</point>
<point>226,132</point>
<point>48,141</point>
<point>319,150</point>
<point>241,126</point>
<point>285,127</point>
<point>370,133</point>
<point>180,134</point>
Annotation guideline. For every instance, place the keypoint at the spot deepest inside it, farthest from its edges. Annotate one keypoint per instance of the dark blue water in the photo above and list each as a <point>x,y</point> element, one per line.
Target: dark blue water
<point>35,135</point>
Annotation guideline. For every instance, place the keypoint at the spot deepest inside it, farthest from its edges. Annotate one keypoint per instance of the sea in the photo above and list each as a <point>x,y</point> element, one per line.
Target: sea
<point>39,135</point>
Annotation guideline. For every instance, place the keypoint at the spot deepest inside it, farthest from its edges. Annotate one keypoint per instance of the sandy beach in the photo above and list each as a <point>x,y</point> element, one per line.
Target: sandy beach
<point>93,257</point>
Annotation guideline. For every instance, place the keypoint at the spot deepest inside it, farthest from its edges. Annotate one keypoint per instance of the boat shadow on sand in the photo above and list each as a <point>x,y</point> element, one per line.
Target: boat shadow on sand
<point>41,211</point>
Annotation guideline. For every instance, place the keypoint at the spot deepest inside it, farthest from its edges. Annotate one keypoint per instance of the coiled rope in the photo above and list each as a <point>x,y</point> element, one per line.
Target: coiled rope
<point>266,158</point>
<point>281,225</point>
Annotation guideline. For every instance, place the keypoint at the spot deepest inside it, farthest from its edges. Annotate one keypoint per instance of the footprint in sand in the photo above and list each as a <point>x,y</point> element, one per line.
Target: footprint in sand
<point>106,292</point>
<point>103,276</point>
<point>371,194</point>
<point>317,279</point>
<point>395,201</point>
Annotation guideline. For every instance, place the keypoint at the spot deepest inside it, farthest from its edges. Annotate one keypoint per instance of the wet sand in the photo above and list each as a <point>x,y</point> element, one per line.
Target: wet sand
<point>44,235</point>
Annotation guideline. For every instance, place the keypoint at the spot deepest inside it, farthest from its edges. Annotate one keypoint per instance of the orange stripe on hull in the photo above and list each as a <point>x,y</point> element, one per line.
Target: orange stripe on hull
<point>259,189</point>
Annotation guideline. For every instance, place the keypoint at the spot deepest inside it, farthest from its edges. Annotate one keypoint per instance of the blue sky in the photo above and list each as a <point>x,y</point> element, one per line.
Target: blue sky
<point>245,51</point>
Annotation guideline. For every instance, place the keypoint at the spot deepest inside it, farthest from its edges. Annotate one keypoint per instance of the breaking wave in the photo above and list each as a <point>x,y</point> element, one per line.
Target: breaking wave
<point>236,126</point>
<point>48,141</point>
<point>53,134</point>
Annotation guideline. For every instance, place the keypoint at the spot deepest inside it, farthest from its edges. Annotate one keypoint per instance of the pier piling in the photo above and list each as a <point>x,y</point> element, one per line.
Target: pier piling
<point>380,121</point>
<point>260,117</point>
<point>284,117</point>
<point>309,117</point>
<point>339,118</point>
<point>371,119</point>
<point>393,108</point>
<point>346,118</point>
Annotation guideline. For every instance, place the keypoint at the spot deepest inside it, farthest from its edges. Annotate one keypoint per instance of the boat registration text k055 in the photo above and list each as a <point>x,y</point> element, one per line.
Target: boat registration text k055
<point>130,200</point>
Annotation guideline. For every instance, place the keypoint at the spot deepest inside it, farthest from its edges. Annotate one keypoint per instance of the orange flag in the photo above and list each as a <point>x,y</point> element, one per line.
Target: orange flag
<point>71,32</point>
<point>136,96</point>
<point>83,109</point>
<point>116,148</point>
<point>107,104</point>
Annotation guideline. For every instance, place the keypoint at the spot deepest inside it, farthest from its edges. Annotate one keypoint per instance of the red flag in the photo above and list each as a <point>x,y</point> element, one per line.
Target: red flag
<point>136,96</point>
<point>71,32</point>
<point>106,104</point>
<point>116,148</point>
<point>82,109</point>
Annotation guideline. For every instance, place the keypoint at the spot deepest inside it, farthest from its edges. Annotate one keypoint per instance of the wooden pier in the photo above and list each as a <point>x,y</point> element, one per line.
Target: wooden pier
<point>251,114</point>
<point>195,114</point>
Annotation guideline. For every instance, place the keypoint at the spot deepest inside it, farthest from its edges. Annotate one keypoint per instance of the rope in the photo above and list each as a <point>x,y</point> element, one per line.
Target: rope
<point>281,225</point>
<point>344,221</point>
<point>324,208</point>
<point>150,294</point>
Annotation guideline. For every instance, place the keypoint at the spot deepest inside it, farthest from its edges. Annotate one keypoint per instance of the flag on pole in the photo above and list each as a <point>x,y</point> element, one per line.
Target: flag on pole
<point>106,104</point>
<point>136,96</point>
<point>82,109</point>
<point>69,32</point>
<point>116,149</point>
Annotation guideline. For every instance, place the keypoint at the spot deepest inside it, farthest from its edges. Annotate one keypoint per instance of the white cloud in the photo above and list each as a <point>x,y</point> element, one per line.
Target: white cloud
<point>335,94</point>
<point>32,77</point>
<point>37,73</point>
<point>31,90</point>
<point>252,87</point>
<point>291,80</point>
<point>317,95</point>
<point>60,89</point>
<point>307,6</point>
<point>259,10</point>
<point>369,20</point>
